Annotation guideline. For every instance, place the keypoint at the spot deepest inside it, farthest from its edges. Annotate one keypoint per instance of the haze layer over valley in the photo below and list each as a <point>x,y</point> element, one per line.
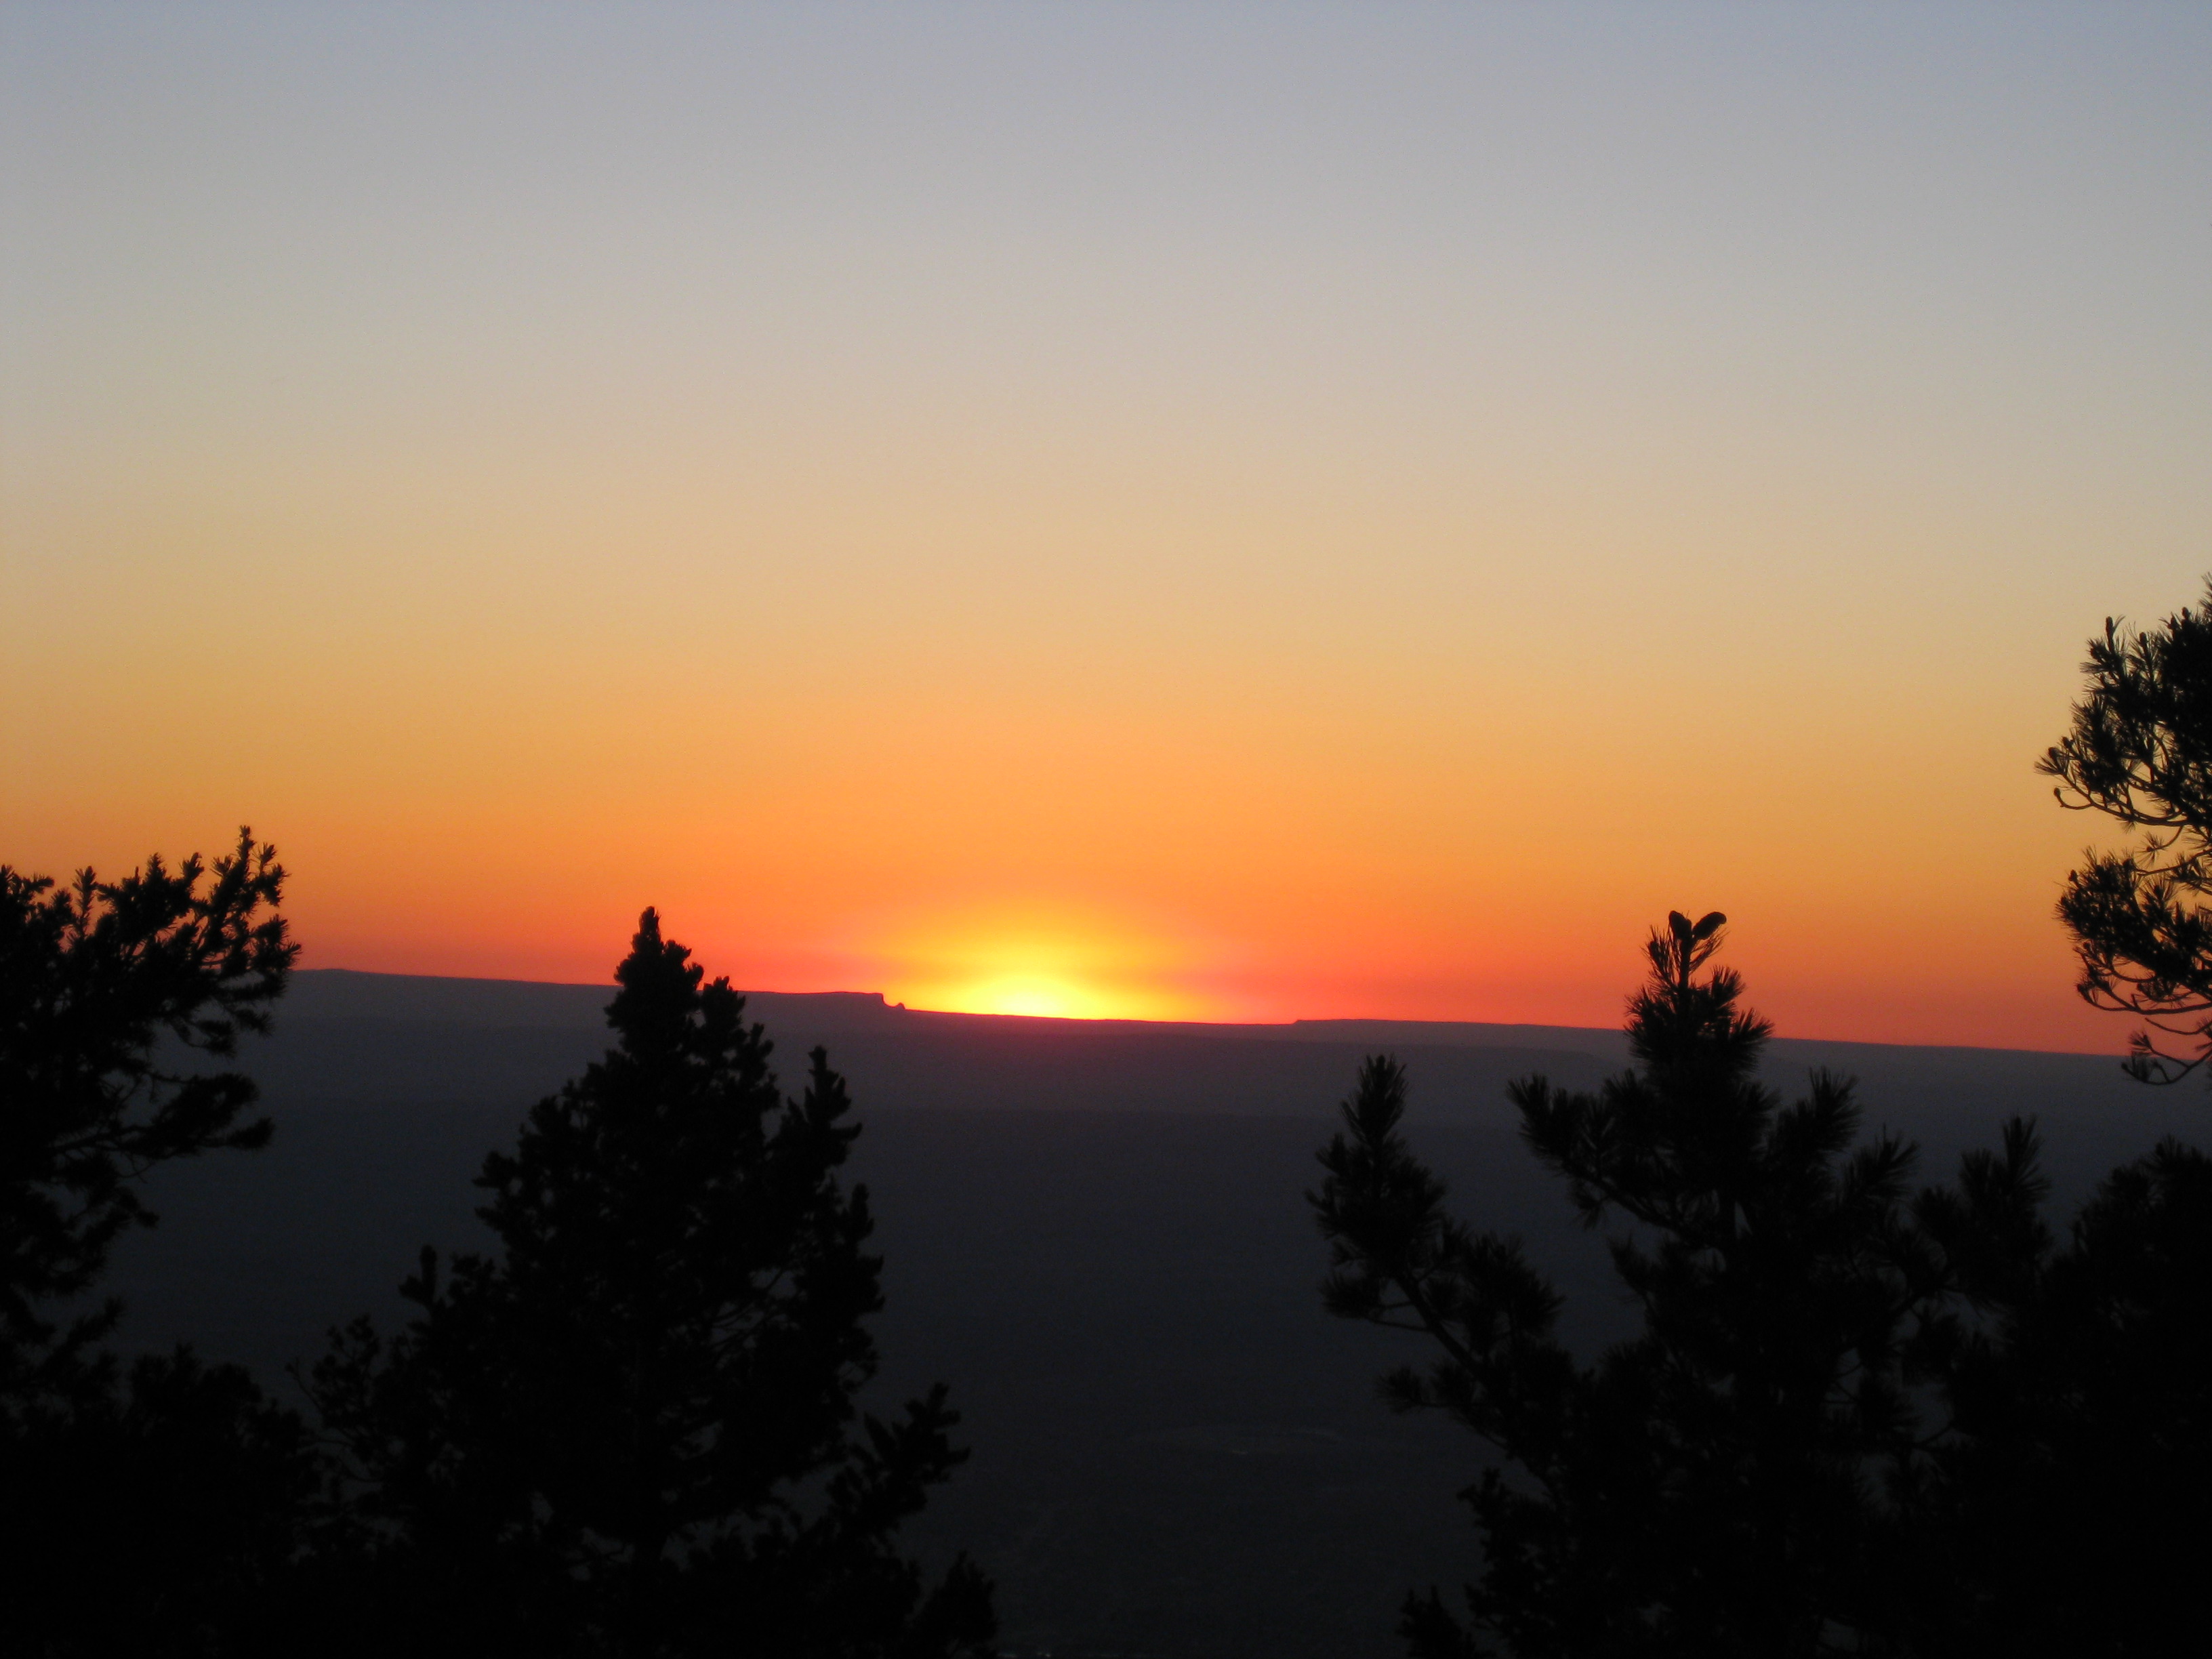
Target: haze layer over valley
<point>1094,1230</point>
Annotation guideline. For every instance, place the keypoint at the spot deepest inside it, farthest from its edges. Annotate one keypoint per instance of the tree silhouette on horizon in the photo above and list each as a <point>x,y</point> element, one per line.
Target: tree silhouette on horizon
<point>632,1430</point>
<point>1856,1420</point>
<point>95,976</point>
<point>2076,1487</point>
<point>1714,1485</point>
<point>2139,752</point>
<point>163,1507</point>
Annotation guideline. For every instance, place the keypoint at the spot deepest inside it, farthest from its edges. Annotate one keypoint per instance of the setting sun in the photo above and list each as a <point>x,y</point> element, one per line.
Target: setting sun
<point>1054,963</point>
<point>1048,998</point>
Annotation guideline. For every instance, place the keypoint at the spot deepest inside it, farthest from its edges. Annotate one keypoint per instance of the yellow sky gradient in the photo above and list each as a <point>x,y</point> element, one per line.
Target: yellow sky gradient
<point>1222,515</point>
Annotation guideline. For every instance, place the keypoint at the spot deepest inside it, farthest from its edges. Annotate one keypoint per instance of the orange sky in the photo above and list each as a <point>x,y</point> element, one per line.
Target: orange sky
<point>1238,515</point>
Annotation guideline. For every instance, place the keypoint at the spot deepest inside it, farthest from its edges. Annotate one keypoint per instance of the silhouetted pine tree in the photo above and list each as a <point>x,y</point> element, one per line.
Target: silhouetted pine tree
<point>2140,752</point>
<point>2072,1514</point>
<point>165,1511</point>
<point>632,1432</point>
<point>94,977</point>
<point>1717,1484</point>
<point>2071,1510</point>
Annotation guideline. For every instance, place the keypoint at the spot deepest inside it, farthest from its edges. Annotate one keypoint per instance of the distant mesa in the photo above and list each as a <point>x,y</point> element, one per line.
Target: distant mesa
<point>351,995</point>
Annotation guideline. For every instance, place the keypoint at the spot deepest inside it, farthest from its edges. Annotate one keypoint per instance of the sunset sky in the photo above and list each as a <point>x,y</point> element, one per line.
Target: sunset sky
<point>1176,511</point>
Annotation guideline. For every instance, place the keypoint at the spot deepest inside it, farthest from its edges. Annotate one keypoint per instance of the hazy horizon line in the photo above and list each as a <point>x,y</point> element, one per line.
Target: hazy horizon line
<point>1307,1020</point>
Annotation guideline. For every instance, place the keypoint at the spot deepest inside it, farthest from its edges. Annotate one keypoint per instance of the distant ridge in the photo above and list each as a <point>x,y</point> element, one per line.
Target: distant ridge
<point>352,994</point>
<point>349,994</point>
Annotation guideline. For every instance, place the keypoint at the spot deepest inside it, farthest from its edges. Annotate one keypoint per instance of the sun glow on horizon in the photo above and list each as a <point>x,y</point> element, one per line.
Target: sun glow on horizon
<point>1043,964</point>
<point>1034,996</point>
<point>1414,499</point>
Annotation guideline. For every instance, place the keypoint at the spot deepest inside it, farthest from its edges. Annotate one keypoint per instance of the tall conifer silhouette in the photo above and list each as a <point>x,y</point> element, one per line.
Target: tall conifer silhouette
<point>163,1506</point>
<point>632,1431</point>
<point>1713,1486</point>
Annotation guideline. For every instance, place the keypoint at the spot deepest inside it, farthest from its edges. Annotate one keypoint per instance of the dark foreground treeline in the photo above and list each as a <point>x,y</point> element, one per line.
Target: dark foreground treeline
<point>1855,1412</point>
<point>176,1510</point>
<point>630,1430</point>
<point>1962,1433</point>
<point>1857,1418</point>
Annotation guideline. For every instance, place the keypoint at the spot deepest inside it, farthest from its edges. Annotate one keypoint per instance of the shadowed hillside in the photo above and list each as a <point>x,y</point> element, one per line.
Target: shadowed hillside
<point>1093,1231</point>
